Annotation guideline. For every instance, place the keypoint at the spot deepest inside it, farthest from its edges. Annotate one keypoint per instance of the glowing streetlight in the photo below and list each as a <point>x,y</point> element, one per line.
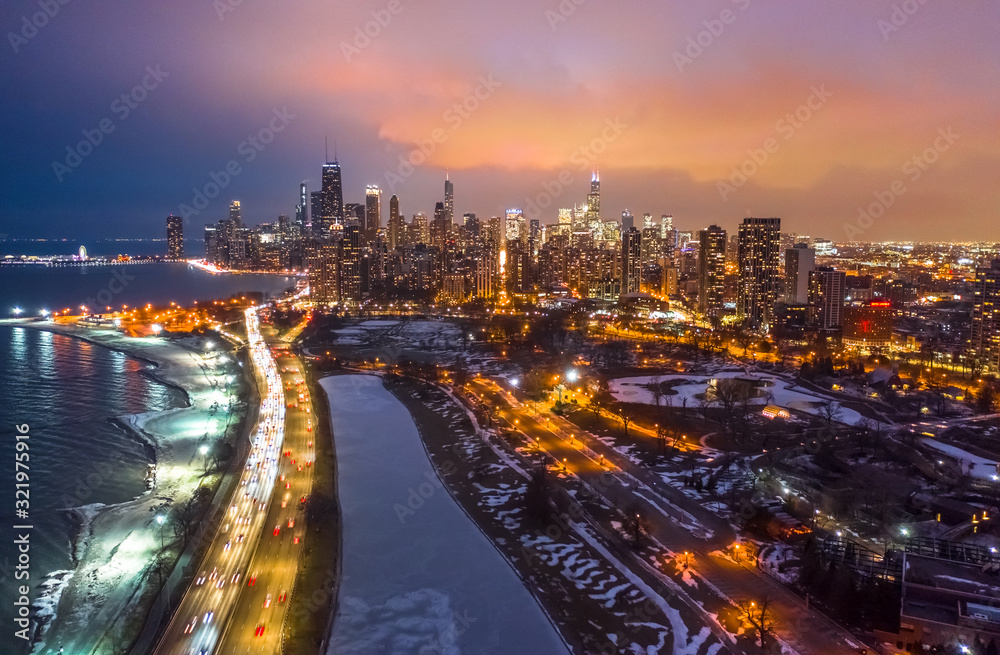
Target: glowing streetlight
<point>17,311</point>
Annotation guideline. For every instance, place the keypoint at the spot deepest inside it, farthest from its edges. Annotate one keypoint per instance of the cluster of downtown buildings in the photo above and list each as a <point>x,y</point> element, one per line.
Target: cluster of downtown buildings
<point>759,279</point>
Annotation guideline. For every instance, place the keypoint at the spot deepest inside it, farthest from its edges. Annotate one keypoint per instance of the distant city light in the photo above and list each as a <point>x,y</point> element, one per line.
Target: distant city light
<point>17,311</point>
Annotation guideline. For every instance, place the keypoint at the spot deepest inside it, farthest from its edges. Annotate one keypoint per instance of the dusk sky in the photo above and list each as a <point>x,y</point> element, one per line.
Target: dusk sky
<point>551,77</point>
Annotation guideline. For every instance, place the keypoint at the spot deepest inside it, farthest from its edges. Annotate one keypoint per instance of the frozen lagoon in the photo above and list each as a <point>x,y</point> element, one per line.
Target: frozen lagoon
<point>419,583</point>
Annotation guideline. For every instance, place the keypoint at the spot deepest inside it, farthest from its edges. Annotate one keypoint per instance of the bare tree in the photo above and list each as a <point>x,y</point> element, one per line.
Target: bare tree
<point>626,413</point>
<point>635,526</point>
<point>655,387</point>
<point>830,411</point>
<point>761,617</point>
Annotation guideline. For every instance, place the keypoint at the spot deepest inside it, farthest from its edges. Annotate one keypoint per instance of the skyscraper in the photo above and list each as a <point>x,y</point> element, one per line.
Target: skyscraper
<point>440,226</point>
<point>333,195</point>
<point>302,209</point>
<point>984,345</point>
<point>396,225</point>
<point>515,226</point>
<point>594,202</point>
<point>827,289</point>
<point>711,270</point>
<point>449,199</point>
<point>628,221</point>
<point>175,237</point>
<point>800,260</point>
<point>631,258</point>
<point>373,212</point>
<point>758,257</point>
<point>236,214</point>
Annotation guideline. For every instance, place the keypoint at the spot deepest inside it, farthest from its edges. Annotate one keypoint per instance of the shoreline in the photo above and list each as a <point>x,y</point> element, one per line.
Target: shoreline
<point>113,545</point>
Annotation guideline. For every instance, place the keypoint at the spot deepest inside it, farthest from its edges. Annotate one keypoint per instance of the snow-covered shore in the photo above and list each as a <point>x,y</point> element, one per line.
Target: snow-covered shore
<point>97,604</point>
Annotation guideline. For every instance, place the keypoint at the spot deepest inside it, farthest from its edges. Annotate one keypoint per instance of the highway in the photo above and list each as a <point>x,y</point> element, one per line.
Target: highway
<point>260,611</point>
<point>218,594</point>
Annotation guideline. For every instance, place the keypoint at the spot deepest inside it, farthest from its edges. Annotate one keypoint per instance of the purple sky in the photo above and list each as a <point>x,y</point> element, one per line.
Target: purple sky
<point>686,116</point>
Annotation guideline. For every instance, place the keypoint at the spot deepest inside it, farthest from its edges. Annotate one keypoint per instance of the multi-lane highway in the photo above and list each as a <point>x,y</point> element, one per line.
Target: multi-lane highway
<point>239,597</point>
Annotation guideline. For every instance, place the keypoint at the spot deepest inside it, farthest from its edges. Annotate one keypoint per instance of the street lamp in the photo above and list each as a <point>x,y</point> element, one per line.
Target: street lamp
<point>161,519</point>
<point>17,311</point>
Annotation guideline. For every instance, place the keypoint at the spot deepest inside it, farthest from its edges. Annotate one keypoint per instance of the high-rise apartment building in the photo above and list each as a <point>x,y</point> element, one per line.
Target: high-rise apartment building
<point>515,226</point>
<point>175,237</point>
<point>827,290</point>
<point>984,344</point>
<point>631,276</point>
<point>711,270</point>
<point>759,264</point>
<point>800,261</point>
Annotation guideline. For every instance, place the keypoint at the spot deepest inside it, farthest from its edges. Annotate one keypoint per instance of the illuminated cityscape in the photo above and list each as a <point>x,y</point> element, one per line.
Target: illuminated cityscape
<point>530,328</point>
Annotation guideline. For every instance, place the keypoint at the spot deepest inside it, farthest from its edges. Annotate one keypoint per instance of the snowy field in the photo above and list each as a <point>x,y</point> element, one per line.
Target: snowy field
<point>418,575</point>
<point>777,391</point>
<point>976,466</point>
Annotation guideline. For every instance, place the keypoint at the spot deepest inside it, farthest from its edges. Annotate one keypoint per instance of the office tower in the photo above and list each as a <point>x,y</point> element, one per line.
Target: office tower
<point>759,261</point>
<point>323,263</point>
<point>628,221</point>
<point>373,213</point>
<point>984,345</point>
<point>351,250</point>
<point>449,199</point>
<point>333,195</point>
<point>396,225</point>
<point>212,244</point>
<point>631,258</point>
<point>302,209</point>
<point>440,226</point>
<point>422,229</point>
<point>236,214</point>
<point>711,270</point>
<point>594,201</point>
<point>647,222</point>
<point>472,225</point>
<point>175,237</point>
<point>827,289</point>
<point>666,225</point>
<point>515,225</point>
<point>318,223</point>
<point>800,260</point>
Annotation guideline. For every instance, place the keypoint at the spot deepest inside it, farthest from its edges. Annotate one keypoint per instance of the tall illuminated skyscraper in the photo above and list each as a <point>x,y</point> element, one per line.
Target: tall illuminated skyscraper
<point>515,225</point>
<point>333,193</point>
<point>236,214</point>
<point>440,226</point>
<point>396,225</point>
<point>302,209</point>
<point>711,269</point>
<point>175,237</point>
<point>631,261</point>
<point>984,346</point>
<point>759,268</point>
<point>373,212</point>
<point>594,201</point>
<point>449,199</point>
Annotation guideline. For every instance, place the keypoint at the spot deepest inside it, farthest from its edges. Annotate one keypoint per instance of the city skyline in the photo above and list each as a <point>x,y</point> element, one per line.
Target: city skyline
<point>824,137</point>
